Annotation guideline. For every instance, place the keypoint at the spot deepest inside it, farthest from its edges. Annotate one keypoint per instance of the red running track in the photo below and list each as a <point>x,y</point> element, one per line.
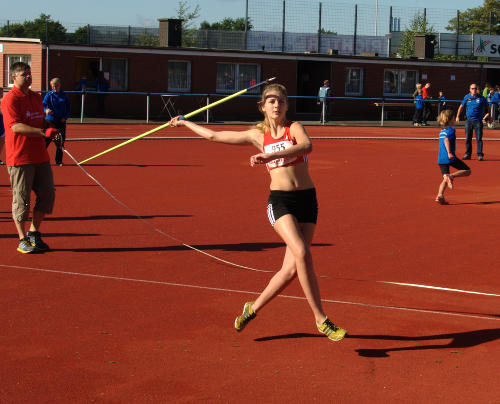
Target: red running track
<point>117,312</point>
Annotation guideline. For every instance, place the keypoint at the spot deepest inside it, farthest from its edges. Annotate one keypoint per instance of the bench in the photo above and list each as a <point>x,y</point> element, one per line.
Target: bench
<point>391,104</point>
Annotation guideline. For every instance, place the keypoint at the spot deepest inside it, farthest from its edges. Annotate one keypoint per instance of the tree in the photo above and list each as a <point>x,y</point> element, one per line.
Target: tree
<point>187,16</point>
<point>81,35</point>
<point>145,39</point>
<point>477,20</point>
<point>43,27</point>
<point>227,24</point>
<point>418,25</point>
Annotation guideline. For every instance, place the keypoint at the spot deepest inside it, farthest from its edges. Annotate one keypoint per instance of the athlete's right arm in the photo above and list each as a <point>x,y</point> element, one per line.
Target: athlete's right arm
<point>246,137</point>
<point>27,130</point>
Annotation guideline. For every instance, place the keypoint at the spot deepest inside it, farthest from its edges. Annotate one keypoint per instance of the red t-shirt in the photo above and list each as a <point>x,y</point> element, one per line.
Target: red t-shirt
<point>425,93</point>
<point>18,107</point>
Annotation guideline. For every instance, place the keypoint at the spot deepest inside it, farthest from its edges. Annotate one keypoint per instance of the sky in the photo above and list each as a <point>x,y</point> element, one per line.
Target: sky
<point>146,13</point>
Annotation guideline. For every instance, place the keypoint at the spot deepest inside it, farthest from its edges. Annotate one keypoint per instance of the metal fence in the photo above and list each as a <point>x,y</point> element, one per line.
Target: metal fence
<point>382,108</point>
<point>292,26</point>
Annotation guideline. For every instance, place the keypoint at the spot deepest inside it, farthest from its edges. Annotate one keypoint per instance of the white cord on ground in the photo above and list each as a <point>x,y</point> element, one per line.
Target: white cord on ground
<point>155,228</point>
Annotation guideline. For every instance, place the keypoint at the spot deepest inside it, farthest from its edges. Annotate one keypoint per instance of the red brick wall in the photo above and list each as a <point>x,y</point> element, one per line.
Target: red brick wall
<point>148,72</point>
<point>24,48</point>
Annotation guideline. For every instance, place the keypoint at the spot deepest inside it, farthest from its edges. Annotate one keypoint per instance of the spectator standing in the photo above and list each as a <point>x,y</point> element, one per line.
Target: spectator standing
<point>492,107</point>
<point>323,93</point>
<point>419,108</point>
<point>418,86</point>
<point>476,111</point>
<point>82,84</point>
<point>27,158</point>
<point>101,86</point>
<point>495,101</point>
<point>427,104</point>
<point>442,105</point>
<point>57,108</point>
<point>486,89</point>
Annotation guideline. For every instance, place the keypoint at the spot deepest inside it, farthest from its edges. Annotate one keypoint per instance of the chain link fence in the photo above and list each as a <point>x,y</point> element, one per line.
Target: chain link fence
<point>327,27</point>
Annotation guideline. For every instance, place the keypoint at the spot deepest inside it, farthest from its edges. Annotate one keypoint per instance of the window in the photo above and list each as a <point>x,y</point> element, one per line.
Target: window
<point>116,72</point>
<point>235,77</point>
<point>400,82</point>
<point>8,61</point>
<point>354,81</point>
<point>179,75</point>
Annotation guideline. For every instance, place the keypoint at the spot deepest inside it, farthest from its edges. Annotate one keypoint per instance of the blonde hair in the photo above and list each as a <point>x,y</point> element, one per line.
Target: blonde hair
<point>264,126</point>
<point>445,117</point>
<point>55,81</point>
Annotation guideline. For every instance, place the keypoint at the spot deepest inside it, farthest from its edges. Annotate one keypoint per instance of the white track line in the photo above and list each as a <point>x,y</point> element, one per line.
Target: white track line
<point>416,285</point>
<point>81,139</point>
<point>183,285</point>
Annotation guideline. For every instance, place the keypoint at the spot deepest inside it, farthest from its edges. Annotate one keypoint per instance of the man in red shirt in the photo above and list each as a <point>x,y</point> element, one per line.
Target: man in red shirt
<point>27,158</point>
<point>427,104</point>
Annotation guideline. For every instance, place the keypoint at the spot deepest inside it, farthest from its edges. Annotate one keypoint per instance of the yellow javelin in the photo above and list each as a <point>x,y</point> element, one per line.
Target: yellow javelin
<point>229,97</point>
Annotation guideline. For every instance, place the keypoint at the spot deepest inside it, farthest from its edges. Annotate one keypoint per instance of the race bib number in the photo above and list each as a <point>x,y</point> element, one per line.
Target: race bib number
<point>276,147</point>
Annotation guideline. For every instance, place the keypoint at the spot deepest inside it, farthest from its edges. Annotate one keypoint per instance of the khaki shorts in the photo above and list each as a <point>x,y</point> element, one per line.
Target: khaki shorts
<point>31,177</point>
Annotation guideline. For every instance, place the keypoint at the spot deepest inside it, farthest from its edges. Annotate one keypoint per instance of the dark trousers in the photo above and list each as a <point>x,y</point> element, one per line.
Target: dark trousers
<point>417,118</point>
<point>427,111</point>
<point>477,127</point>
<point>61,127</point>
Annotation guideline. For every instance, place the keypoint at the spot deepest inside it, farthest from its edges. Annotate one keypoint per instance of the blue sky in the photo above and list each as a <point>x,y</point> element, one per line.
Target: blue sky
<point>146,13</point>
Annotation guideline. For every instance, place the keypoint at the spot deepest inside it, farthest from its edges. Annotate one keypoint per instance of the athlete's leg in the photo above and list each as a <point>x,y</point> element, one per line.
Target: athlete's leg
<point>285,275</point>
<point>460,173</point>
<point>297,237</point>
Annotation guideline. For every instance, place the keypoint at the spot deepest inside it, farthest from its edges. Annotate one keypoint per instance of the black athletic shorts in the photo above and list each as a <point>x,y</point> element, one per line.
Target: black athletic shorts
<point>457,164</point>
<point>302,204</point>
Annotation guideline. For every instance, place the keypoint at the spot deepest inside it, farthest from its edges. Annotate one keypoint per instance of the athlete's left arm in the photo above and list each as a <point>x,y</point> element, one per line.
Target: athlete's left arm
<point>303,146</point>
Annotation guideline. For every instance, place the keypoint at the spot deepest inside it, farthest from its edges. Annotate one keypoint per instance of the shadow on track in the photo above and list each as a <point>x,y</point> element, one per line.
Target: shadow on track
<point>459,340</point>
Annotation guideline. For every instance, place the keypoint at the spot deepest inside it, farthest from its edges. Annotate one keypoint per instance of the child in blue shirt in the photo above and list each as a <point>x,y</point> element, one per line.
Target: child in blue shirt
<point>443,105</point>
<point>57,109</point>
<point>447,156</point>
<point>492,99</point>
<point>419,108</point>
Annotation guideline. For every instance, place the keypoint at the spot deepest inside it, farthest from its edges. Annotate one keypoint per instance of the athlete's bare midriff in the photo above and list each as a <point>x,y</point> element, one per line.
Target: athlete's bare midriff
<point>291,178</point>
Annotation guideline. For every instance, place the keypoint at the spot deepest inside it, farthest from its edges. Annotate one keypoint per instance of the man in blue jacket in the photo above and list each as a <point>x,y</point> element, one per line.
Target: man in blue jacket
<point>57,108</point>
<point>476,110</point>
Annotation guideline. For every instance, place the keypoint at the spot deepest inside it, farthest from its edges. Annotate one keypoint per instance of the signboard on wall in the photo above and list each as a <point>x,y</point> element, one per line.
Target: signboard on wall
<point>487,45</point>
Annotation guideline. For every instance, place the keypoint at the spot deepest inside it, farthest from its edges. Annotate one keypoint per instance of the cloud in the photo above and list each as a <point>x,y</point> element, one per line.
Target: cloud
<point>146,22</point>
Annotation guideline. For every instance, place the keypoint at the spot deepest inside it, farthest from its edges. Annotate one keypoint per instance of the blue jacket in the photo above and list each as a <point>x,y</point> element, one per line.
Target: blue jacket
<point>58,103</point>
<point>475,106</point>
<point>419,101</point>
<point>495,99</point>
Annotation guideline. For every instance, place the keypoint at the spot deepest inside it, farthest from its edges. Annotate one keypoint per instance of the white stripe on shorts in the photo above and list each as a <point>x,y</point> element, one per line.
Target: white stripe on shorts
<point>270,214</point>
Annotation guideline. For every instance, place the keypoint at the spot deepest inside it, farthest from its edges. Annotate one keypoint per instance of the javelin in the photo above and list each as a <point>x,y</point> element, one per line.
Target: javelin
<point>213,104</point>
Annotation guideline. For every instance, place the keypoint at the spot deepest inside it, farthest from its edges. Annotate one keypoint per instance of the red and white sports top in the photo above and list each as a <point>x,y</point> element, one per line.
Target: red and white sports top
<point>286,141</point>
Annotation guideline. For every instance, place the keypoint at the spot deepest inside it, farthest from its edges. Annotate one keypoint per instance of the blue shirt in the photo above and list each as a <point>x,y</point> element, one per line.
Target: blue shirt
<point>475,105</point>
<point>442,103</point>
<point>59,103</point>
<point>324,91</point>
<point>495,99</point>
<point>419,101</point>
<point>446,133</point>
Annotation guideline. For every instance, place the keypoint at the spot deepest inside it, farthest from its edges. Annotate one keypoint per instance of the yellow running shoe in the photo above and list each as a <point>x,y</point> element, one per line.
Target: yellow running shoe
<point>331,330</point>
<point>247,315</point>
